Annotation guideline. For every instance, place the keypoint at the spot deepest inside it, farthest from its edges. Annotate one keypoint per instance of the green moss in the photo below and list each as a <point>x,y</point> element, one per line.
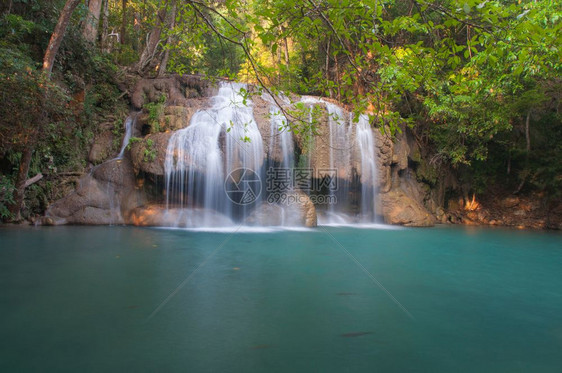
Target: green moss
<point>426,173</point>
<point>149,151</point>
<point>155,113</point>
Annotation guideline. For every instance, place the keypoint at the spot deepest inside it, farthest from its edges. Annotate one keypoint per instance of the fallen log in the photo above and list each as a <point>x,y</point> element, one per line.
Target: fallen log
<point>33,180</point>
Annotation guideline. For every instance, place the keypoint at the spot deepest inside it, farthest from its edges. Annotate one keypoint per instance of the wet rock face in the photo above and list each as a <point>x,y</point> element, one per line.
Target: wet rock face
<point>299,212</point>
<point>385,150</point>
<point>404,200</point>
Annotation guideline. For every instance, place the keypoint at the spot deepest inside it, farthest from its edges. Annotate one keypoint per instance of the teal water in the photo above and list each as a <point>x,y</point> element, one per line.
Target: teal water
<point>84,299</point>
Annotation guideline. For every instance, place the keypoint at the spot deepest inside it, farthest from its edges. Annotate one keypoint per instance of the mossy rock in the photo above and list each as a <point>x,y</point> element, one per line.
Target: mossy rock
<point>426,173</point>
<point>142,151</point>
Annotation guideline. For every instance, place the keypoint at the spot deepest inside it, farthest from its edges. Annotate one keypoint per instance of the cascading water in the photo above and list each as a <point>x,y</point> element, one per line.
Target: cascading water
<point>340,162</point>
<point>341,143</point>
<point>129,125</point>
<point>244,147</point>
<point>366,143</point>
<point>213,154</point>
<point>196,168</point>
<point>107,185</point>
<point>310,101</point>
<point>281,162</point>
<point>281,138</point>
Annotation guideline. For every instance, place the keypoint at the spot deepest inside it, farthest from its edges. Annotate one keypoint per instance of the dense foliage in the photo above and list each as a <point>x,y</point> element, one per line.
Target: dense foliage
<point>477,81</point>
<point>55,118</point>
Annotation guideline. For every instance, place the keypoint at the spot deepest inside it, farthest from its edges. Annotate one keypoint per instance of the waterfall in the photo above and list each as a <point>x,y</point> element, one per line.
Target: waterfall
<point>366,143</point>
<point>341,143</point>
<point>281,139</point>
<point>211,163</point>
<point>281,161</point>
<point>340,161</point>
<point>198,174</point>
<point>310,101</point>
<point>129,125</point>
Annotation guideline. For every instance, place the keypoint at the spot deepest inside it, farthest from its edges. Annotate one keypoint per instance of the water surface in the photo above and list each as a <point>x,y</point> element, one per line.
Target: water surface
<point>447,299</point>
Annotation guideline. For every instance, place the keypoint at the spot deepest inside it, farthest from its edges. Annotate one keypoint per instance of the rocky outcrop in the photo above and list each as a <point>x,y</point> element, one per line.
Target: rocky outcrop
<point>105,144</point>
<point>101,148</point>
<point>178,90</point>
<point>101,198</point>
<point>404,200</point>
<point>149,154</point>
<point>400,209</point>
<point>385,156</point>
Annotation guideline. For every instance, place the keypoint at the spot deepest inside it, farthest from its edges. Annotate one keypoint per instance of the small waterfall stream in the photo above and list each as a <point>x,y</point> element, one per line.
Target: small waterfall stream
<point>366,143</point>
<point>129,126</point>
<point>341,144</point>
<point>282,138</point>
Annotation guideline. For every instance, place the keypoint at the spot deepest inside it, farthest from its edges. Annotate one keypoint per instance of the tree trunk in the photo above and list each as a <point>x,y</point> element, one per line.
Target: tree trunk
<point>58,34</point>
<point>527,132</point>
<point>105,27</point>
<point>286,50</point>
<point>171,24</point>
<point>21,178</point>
<point>152,44</point>
<point>123,21</point>
<point>92,21</point>
<point>48,61</point>
<point>528,148</point>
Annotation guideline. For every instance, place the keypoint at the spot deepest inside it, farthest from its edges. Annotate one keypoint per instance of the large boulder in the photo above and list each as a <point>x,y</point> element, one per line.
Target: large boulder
<point>398,208</point>
<point>176,117</point>
<point>100,198</point>
<point>102,148</point>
